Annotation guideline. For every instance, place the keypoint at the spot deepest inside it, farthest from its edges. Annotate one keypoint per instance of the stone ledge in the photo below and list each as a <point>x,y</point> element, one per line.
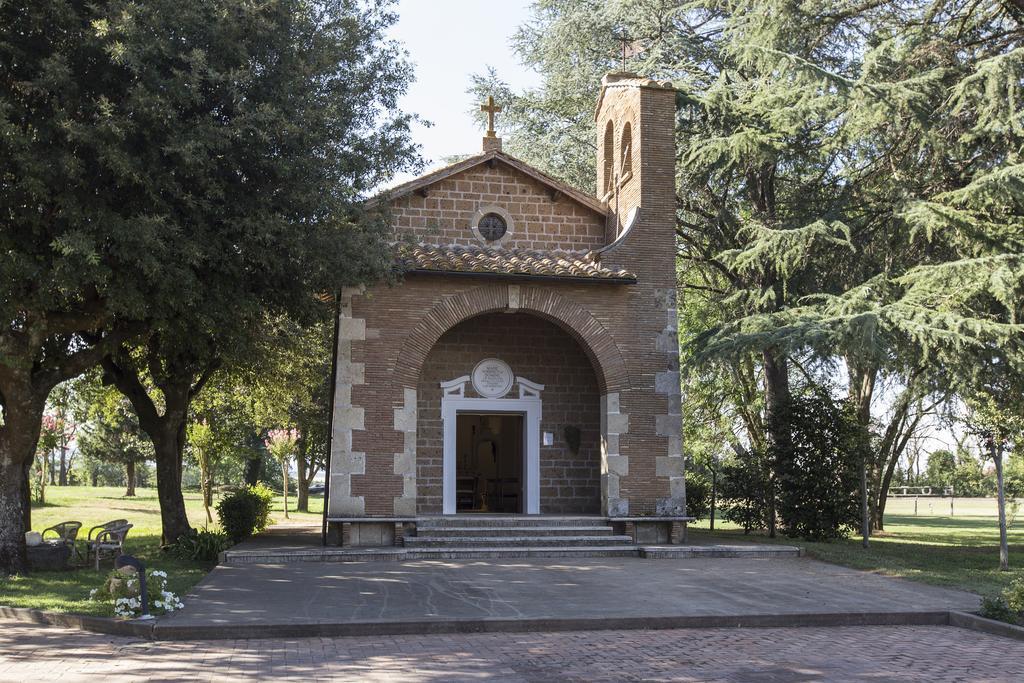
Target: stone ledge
<point>974,622</point>
<point>370,520</point>
<point>659,552</point>
<point>85,622</point>
<point>653,518</point>
<point>286,629</point>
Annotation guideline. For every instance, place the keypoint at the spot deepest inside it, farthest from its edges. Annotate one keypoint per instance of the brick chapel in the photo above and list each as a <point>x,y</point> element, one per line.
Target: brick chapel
<point>527,362</point>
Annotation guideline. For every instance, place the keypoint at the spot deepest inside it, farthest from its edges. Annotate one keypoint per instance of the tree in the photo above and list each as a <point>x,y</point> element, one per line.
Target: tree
<point>203,446</point>
<point>112,435</point>
<point>256,131</point>
<point>293,390</point>
<point>941,468</point>
<point>281,444</point>
<point>159,161</point>
<point>998,420</point>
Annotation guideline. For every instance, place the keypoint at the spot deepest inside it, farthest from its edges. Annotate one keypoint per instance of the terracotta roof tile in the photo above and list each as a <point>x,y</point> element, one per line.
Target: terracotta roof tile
<point>480,260</point>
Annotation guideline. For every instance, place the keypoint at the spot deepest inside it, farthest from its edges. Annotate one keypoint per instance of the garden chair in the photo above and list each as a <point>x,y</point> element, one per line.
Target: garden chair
<point>67,533</point>
<point>106,525</point>
<point>109,539</point>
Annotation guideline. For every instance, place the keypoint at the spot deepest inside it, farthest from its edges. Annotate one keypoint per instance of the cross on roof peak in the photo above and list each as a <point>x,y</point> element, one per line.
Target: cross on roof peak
<point>491,108</point>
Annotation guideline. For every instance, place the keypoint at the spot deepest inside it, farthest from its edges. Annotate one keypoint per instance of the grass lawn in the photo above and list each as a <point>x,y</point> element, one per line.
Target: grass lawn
<point>959,551</point>
<point>69,591</point>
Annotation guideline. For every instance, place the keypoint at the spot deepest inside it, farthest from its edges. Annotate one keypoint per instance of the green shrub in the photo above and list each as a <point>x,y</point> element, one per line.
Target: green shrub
<point>1014,595</point>
<point>698,498</point>
<point>996,608</point>
<point>817,469</point>
<point>744,491</point>
<point>245,511</point>
<point>204,546</point>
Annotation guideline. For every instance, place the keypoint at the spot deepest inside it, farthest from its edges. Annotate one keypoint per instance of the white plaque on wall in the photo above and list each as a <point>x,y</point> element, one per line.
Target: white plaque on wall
<point>492,378</point>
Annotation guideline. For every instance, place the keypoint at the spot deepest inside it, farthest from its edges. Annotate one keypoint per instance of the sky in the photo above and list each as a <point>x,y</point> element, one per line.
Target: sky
<point>448,41</point>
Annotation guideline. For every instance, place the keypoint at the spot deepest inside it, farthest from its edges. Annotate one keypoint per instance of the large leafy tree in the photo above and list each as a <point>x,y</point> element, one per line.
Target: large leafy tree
<point>849,182</point>
<point>172,173</point>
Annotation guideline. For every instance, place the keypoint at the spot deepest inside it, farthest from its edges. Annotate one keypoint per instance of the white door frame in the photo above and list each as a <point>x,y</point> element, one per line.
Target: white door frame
<point>528,404</point>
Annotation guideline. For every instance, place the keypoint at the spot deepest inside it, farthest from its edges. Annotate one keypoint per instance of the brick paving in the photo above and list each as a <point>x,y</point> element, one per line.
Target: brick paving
<point>903,653</point>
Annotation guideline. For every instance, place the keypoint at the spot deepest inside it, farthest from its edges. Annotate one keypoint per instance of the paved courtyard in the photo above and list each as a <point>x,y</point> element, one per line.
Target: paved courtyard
<point>883,653</point>
<point>369,593</point>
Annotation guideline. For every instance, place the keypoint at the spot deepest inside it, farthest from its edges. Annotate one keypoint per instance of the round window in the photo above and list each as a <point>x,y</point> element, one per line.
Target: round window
<point>492,227</point>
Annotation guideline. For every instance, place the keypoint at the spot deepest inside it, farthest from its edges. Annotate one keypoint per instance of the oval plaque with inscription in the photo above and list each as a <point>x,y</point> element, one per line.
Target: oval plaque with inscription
<point>492,378</point>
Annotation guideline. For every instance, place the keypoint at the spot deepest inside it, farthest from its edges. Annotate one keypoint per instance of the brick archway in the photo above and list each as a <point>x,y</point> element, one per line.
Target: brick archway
<point>576,320</point>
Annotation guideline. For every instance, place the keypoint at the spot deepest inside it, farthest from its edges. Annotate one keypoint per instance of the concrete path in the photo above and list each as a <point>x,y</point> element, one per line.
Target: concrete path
<point>364,594</point>
<point>933,654</point>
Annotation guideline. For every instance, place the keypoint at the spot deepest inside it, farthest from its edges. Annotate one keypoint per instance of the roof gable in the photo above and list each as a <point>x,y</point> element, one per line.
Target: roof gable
<point>492,157</point>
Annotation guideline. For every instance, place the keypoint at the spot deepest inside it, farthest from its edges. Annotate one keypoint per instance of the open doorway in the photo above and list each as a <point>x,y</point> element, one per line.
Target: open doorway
<point>489,462</point>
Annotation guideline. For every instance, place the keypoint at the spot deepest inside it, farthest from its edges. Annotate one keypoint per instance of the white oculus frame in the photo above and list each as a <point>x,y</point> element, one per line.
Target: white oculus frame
<point>528,404</point>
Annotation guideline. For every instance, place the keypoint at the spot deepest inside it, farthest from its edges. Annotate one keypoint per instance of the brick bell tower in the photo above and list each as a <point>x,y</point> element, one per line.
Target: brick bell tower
<point>636,153</point>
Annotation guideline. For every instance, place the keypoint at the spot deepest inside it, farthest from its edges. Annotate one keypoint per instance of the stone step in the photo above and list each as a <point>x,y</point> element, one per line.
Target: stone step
<point>752,551</point>
<point>453,532</point>
<point>474,520</point>
<point>514,541</point>
<point>410,554</point>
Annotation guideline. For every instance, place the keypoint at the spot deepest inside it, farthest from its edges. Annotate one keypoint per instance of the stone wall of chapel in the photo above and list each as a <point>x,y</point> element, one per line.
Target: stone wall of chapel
<point>382,319</point>
<point>445,215</point>
<point>570,483</point>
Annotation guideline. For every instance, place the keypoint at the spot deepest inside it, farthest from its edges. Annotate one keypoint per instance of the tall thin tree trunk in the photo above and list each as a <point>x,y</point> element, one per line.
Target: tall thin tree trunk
<point>42,482</point>
<point>777,396</point>
<point>714,497</point>
<point>206,484</point>
<point>1004,548</point>
<point>284,475</point>
<point>63,465</point>
<point>302,480</point>
<point>129,468</point>
<point>302,486</point>
<point>865,515</point>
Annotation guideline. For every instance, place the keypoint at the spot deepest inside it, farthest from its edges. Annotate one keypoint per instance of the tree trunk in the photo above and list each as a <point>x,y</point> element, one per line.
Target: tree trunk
<point>302,486</point>
<point>284,476</point>
<point>252,471</point>
<point>166,430</point>
<point>1004,549</point>
<point>129,471</point>
<point>173,517</point>
<point>19,439</point>
<point>63,465</point>
<point>862,389</point>
<point>865,515</point>
<point>302,483</point>
<point>777,396</point>
<point>206,485</point>
<point>12,515</point>
<point>714,496</point>
<point>42,482</point>
<point>53,468</point>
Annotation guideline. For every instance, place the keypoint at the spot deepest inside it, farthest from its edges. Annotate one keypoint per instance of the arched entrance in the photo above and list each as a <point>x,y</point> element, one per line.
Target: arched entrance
<point>508,420</point>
